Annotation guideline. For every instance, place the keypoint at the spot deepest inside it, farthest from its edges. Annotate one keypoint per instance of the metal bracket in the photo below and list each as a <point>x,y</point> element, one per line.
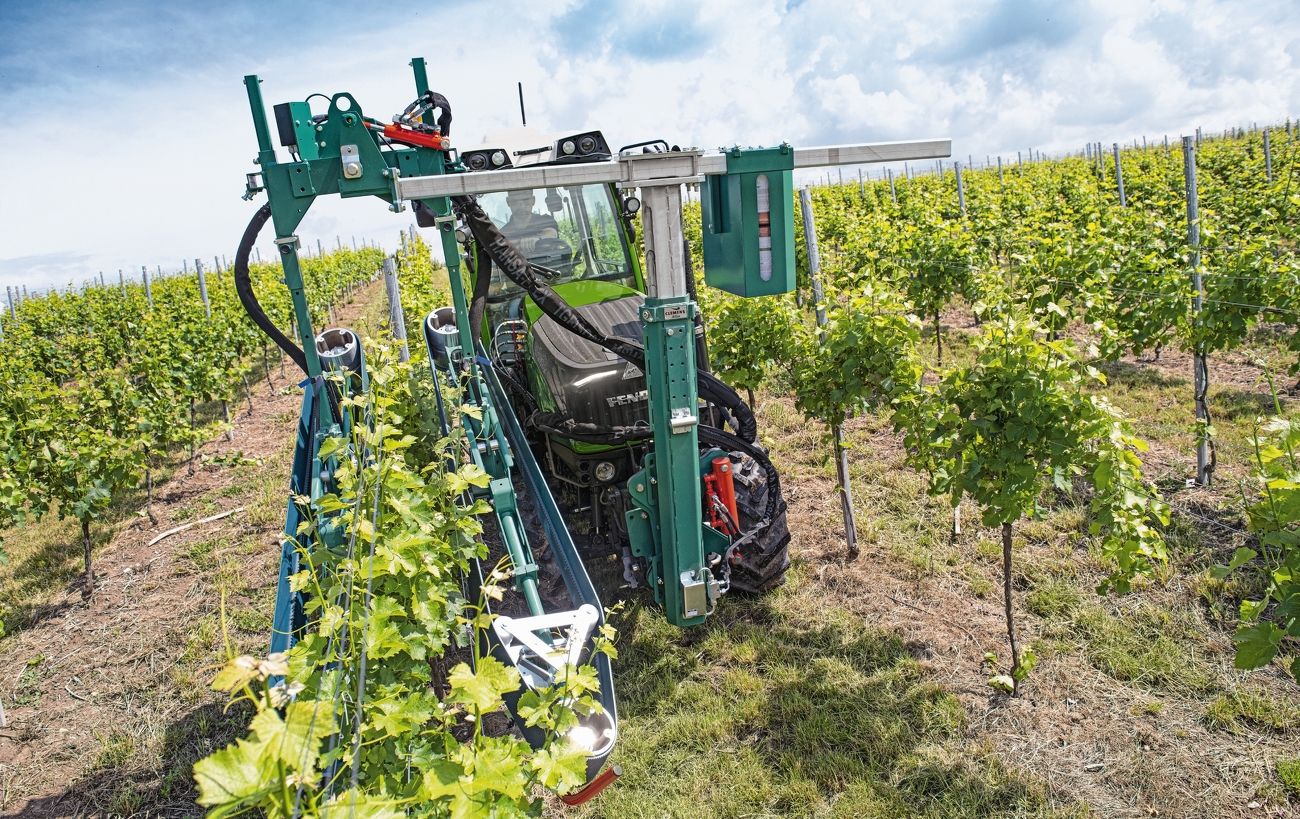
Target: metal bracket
<point>291,241</point>
<point>699,596</point>
<point>672,180</point>
<point>351,161</point>
<point>682,420</point>
<point>395,175</point>
<point>252,185</point>
<point>537,661</point>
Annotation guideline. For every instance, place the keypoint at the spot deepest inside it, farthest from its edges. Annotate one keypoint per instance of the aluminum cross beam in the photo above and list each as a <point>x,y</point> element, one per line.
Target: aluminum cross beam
<point>628,172</point>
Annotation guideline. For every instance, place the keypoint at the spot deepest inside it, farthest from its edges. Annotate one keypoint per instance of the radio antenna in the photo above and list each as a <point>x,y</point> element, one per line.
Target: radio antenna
<point>522,115</point>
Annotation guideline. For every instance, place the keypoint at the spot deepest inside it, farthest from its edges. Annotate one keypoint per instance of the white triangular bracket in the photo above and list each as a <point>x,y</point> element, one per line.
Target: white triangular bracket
<point>537,659</point>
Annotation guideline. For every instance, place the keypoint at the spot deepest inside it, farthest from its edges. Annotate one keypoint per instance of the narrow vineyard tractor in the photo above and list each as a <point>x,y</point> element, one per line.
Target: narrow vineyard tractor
<point>582,366</point>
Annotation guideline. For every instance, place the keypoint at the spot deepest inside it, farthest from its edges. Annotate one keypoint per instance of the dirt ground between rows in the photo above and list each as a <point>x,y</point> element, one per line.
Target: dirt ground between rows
<point>1087,736</point>
<point>110,666</point>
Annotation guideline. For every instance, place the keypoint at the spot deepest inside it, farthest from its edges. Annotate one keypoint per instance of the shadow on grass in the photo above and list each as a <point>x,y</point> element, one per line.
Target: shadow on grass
<point>42,558</point>
<point>118,784</point>
<point>1137,375</point>
<point>761,711</point>
<point>1239,405</point>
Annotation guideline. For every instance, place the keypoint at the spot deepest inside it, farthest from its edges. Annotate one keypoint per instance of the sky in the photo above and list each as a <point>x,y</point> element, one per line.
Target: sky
<point>126,132</point>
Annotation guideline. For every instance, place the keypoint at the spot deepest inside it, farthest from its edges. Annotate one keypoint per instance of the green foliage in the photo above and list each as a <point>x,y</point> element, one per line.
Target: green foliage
<point>1274,517</point>
<point>1018,420</point>
<point>749,337</point>
<point>1054,233</point>
<point>395,745</point>
<point>867,357</point>
<point>98,382</point>
<point>421,280</point>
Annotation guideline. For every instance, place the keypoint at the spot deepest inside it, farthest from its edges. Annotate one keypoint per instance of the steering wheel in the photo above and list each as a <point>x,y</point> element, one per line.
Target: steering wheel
<point>551,247</point>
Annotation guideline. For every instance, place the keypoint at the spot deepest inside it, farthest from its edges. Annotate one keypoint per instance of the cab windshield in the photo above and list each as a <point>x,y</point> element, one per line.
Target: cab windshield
<point>566,233</point>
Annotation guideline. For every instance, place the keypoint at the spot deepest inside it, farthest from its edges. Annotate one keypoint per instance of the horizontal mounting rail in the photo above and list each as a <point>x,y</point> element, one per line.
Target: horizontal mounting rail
<point>624,170</point>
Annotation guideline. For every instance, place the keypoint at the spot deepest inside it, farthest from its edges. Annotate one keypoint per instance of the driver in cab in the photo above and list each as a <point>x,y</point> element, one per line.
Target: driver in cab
<point>526,227</point>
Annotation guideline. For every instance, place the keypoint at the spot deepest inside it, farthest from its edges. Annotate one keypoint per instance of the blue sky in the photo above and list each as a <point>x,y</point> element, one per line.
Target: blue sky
<point>127,135</point>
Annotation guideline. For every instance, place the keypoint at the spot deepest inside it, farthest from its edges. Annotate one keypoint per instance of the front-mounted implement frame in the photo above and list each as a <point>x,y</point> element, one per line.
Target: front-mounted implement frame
<point>344,152</point>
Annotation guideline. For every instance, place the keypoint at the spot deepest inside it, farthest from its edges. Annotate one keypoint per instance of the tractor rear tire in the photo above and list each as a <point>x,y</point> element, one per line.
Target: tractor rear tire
<point>764,561</point>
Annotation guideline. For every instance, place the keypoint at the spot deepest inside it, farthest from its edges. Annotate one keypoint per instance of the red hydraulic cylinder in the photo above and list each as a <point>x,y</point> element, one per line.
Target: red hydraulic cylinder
<point>726,488</point>
<point>399,133</point>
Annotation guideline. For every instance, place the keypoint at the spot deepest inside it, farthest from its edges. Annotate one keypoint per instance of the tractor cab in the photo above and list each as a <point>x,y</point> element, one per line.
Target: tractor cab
<point>569,235</point>
<point>580,239</point>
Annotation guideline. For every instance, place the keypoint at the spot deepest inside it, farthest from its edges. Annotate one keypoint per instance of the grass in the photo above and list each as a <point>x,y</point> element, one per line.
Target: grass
<point>1288,772</point>
<point>1239,707</point>
<point>787,706</point>
<point>1166,644</point>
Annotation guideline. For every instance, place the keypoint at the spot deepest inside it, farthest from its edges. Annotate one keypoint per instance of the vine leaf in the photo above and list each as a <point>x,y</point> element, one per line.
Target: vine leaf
<point>482,689</point>
<point>1257,645</point>
<point>236,775</point>
<point>497,767</point>
<point>295,740</point>
<point>563,766</point>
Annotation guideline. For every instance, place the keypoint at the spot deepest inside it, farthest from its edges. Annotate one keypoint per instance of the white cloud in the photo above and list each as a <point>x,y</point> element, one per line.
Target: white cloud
<point>144,164</point>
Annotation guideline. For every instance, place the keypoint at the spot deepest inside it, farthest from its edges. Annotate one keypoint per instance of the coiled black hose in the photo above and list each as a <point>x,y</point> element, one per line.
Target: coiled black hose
<point>482,280</point>
<point>244,287</point>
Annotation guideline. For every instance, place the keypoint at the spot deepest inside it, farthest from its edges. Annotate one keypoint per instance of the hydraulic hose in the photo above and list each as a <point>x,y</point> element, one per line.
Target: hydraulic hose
<point>482,280</point>
<point>555,423</point>
<point>517,268</point>
<point>438,101</point>
<point>244,287</point>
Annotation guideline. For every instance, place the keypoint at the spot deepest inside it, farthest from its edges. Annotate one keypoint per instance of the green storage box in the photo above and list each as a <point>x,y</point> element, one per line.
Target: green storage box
<point>748,220</point>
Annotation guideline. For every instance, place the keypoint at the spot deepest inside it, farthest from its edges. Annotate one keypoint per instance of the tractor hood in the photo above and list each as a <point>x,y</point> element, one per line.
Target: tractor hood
<point>588,382</point>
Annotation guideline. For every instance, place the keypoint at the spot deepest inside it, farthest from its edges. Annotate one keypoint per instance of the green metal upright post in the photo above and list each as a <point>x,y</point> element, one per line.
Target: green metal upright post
<point>287,242</point>
<point>265,150</point>
<point>668,316</point>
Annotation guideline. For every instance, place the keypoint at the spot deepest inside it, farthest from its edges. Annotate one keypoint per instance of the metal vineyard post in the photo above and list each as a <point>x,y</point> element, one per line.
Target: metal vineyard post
<point>961,191</point>
<point>203,287</point>
<point>396,319</point>
<point>837,432</point>
<point>1200,370</point>
<point>1119,178</point>
<point>1268,158</point>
